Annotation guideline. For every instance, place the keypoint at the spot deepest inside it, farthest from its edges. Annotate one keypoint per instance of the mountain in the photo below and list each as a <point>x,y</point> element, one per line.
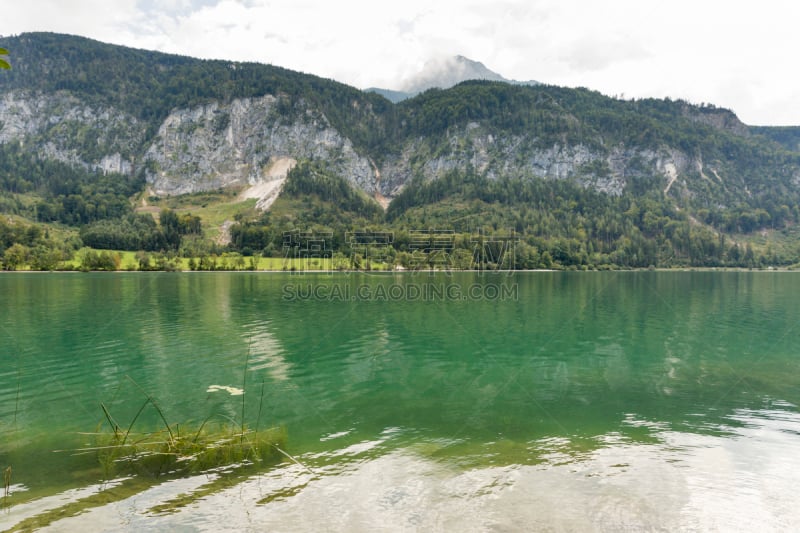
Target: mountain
<point>443,73</point>
<point>393,96</point>
<point>87,126</point>
<point>786,136</point>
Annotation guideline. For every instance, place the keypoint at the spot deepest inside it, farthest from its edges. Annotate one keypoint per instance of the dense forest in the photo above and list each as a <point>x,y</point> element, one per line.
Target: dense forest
<point>552,224</point>
<point>555,224</point>
<point>148,85</point>
<point>743,213</point>
<point>64,193</point>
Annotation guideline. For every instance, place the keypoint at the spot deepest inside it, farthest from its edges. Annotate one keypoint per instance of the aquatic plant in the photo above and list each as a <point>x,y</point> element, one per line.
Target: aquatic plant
<point>136,456</point>
<point>183,451</point>
<point>177,449</point>
<point>133,462</point>
<point>7,481</point>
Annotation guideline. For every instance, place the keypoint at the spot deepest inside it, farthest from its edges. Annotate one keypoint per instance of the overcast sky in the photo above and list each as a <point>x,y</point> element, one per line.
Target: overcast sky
<point>740,55</point>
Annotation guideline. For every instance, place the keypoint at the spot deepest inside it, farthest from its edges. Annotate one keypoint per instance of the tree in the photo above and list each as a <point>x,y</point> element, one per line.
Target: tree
<point>4,60</point>
<point>44,258</point>
<point>92,260</point>
<point>170,227</point>
<point>15,256</point>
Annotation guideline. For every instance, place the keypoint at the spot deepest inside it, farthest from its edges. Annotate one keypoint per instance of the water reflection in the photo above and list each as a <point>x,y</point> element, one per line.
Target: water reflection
<point>266,353</point>
<point>743,481</point>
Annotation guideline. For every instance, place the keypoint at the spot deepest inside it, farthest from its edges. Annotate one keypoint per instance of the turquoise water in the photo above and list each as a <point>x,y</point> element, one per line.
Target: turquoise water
<point>571,401</point>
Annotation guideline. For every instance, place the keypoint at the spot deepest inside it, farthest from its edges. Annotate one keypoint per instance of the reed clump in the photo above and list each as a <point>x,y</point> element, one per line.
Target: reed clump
<point>181,450</point>
<point>186,452</point>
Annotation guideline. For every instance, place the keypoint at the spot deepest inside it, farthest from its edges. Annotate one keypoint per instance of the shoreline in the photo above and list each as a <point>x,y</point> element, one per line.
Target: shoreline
<point>406,272</point>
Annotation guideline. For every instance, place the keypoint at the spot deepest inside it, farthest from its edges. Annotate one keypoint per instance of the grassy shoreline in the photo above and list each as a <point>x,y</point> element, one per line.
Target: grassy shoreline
<point>128,261</point>
<point>407,271</point>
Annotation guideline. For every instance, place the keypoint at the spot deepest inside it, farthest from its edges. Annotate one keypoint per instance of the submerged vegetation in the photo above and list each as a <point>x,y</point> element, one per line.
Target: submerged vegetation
<point>179,450</point>
<point>137,456</point>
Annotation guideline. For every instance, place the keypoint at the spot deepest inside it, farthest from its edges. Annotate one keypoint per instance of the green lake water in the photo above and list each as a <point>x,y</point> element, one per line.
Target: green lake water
<point>464,402</point>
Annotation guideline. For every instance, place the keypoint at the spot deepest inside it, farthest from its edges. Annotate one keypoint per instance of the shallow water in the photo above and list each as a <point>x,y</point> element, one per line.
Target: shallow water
<point>561,401</point>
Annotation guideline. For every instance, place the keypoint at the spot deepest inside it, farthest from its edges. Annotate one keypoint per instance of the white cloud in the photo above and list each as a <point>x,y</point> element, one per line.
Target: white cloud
<point>599,52</point>
<point>739,55</point>
<point>91,18</point>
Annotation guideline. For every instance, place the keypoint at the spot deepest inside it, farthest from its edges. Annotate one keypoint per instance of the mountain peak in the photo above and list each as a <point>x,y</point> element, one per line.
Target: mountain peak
<point>443,73</point>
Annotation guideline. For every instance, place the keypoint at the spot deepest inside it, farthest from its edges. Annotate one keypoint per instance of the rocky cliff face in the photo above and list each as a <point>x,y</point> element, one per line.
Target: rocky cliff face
<point>722,119</point>
<point>59,126</point>
<point>237,144</point>
<point>197,149</point>
<point>520,156</point>
<point>221,145</point>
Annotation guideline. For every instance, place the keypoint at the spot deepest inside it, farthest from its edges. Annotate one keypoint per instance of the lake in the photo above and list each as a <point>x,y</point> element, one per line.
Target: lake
<point>558,401</point>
